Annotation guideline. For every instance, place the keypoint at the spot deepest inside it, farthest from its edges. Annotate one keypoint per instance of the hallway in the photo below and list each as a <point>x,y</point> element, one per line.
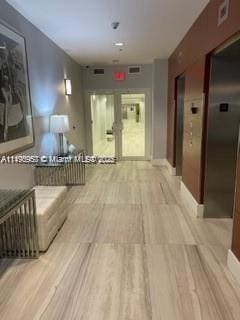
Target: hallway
<point>129,250</point>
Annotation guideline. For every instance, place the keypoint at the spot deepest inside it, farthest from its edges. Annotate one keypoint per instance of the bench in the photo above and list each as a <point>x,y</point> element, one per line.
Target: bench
<point>18,229</point>
<point>51,212</point>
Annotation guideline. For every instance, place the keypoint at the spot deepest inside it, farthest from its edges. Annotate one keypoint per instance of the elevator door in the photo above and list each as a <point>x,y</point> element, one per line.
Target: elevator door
<point>180,117</point>
<point>223,128</point>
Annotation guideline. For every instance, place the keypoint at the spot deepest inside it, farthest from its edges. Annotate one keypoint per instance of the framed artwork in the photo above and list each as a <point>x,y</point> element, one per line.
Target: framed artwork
<point>16,124</point>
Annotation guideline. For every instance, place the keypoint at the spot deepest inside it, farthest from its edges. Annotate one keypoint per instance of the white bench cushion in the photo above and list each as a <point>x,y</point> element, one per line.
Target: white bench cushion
<point>51,213</point>
<point>50,192</point>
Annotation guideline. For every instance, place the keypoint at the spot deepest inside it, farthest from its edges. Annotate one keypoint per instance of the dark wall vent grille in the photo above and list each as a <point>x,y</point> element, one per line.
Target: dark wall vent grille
<point>98,71</point>
<point>134,70</point>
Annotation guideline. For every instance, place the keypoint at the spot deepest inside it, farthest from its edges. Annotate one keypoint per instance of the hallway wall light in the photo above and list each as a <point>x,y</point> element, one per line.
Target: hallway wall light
<point>119,44</point>
<point>68,87</point>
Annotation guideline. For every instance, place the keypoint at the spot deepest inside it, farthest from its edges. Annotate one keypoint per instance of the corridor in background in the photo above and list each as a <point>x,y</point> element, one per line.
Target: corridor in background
<point>133,122</point>
<point>118,123</point>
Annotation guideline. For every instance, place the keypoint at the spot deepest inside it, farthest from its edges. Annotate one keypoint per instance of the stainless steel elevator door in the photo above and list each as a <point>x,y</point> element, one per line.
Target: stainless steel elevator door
<point>223,129</point>
<point>179,131</point>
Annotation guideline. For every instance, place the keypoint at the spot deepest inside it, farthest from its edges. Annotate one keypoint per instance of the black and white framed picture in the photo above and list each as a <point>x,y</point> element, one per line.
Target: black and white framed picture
<point>16,125</point>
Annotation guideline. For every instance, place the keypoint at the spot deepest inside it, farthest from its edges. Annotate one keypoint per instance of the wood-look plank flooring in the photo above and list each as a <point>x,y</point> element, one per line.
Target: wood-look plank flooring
<point>129,250</point>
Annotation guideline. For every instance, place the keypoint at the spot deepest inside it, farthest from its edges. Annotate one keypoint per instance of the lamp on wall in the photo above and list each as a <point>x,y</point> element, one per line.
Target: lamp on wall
<point>59,124</point>
<point>68,87</point>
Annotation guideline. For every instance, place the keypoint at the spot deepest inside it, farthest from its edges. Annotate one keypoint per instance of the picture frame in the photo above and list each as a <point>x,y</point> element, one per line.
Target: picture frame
<point>16,119</point>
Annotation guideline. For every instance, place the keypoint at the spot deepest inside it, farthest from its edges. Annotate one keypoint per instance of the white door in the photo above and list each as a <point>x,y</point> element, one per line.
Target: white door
<point>120,124</point>
<point>102,123</point>
<point>133,126</point>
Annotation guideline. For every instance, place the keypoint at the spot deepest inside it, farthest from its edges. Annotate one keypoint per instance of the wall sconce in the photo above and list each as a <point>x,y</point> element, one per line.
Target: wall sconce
<point>68,87</point>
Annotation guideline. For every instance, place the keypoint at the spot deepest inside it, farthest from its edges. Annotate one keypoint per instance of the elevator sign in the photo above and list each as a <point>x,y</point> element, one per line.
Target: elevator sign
<point>119,76</point>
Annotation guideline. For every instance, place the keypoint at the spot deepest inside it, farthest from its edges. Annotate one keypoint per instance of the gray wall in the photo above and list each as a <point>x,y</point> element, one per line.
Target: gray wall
<point>154,77</point>
<point>48,66</point>
<point>106,81</point>
<point>160,96</point>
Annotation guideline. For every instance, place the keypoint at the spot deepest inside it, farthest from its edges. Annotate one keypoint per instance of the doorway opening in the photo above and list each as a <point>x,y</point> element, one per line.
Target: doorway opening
<point>133,125</point>
<point>120,125</point>
<point>223,132</point>
<point>180,92</point>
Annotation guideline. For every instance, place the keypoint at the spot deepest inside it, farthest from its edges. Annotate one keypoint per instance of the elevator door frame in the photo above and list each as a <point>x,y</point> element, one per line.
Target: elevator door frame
<point>179,127</point>
<point>118,126</point>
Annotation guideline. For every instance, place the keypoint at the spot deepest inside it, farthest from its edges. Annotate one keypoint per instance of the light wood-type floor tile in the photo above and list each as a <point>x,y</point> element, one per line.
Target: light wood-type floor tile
<point>121,224</point>
<point>187,282</point>
<point>108,282</point>
<point>82,224</point>
<point>165,224</point>
<point>129,250</point>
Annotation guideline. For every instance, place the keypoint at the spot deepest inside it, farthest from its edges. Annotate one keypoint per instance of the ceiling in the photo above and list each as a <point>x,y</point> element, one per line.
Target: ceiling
<point>149,28</point>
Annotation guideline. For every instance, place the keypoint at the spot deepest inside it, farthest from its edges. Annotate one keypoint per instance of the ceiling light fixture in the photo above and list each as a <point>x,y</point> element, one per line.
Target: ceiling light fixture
<point>119,44</point>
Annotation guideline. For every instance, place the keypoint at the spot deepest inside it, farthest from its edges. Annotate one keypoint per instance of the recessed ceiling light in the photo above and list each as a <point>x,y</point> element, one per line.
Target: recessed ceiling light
<point>119,44</point>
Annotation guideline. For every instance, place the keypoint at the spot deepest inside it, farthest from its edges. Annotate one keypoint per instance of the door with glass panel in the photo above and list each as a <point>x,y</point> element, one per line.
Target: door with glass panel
<point>118,123</point>
<point>103,119</point>
<point>133,126</point>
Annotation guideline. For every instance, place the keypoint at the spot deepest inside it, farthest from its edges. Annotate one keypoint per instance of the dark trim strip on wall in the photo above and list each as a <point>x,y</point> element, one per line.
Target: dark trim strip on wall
<point>205,123</point>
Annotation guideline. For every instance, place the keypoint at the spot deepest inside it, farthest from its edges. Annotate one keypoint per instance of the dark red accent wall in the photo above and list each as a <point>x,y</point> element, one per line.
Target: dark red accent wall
<point>203,37</point>
<point>190,57</point>
<point>193,127</point>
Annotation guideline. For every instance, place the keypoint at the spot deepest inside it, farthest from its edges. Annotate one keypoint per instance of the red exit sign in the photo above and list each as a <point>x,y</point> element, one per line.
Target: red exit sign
<point>119,76</point>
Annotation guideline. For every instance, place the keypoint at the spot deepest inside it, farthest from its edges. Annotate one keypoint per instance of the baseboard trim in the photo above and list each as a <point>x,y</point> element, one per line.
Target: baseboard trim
<point>195,208</point>
<point>234,265</point>
<point>170,168</point>
<point>159,162</point>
